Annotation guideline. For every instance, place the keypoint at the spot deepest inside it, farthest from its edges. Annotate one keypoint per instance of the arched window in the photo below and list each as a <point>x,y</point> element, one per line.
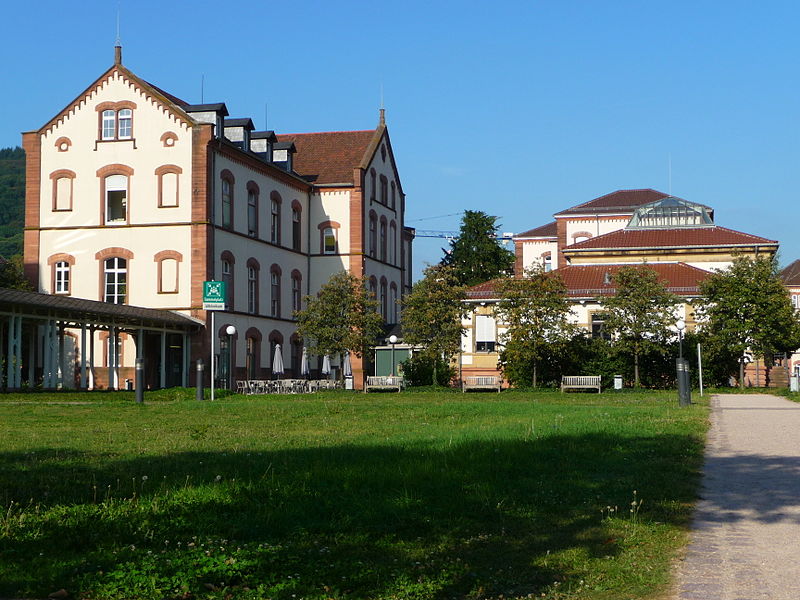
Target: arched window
<point>253,353</point>
<point>61,271</point>
<point>227,263</point>
<point>116,120</point>
<point>296,354</point>
<point>383,238</point>
<point>252,285</point>
<point>168,185</point>
<point>384,300</point>
<point>227,181</point>
<point>373,234</point>
<point>168,261</point>
<point>580,236</point>
<point>114,186</point>
<point>115,280</point>
<point>373,186</point>
<point>392,200</point>
<point>328,237</point>
<point>275,338</point>
<point>297,212</point>
<point>252,209</point>
<point>275,289</point>
<point>392,317</point>
<point>547,262</point>
<point>297,290</point>
<point>392,242</point>
<point>384,190</point>
<point>275,218</point>
<point>62,189</point>
<point>373,288</point>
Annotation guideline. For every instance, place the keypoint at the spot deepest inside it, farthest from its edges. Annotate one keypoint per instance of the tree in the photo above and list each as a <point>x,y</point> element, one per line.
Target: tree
<point>475,255</point>
<point>639,316</point>
<point>432,314</point>
<point>343,317</point>
<point>536,311</point>
<point>12,274</point>
<point>746,308</point>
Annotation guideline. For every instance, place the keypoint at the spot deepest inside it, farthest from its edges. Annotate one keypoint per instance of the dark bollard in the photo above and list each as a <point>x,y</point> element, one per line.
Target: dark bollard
<point>684,382</point>
<point>199,384</point>
<point>139,380</point>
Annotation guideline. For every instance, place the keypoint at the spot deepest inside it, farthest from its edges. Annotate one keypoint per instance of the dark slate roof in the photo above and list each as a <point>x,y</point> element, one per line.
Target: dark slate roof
<point>169,96</point>
<point>680,237</point>
<point>791,274</point>
<point>329,157</point>
<point>190,108</point>
<point>246,122</point>
<point>80,309</point>
<point>259,135</point>
<point>589,281</point>
<point>550,231</point>
<point>285,146</point>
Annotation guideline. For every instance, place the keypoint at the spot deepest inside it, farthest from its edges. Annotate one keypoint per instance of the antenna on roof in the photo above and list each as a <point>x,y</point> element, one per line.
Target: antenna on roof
<point>382,109</point>
<point>202,87</point>
<point>265,117</point>
<point>118,42</point>
<point>669,161</point>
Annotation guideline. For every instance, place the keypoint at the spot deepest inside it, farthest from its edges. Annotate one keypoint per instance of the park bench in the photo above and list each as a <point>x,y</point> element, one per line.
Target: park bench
<point>481,382</point>
<point>384,382</point>
<point>581,382</point>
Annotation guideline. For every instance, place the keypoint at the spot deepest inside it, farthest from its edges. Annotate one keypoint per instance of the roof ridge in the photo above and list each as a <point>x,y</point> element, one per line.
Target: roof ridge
<point>329,132</point>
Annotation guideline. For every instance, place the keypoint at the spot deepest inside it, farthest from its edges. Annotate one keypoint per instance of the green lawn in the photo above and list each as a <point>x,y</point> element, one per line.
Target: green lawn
<point>342,495</point>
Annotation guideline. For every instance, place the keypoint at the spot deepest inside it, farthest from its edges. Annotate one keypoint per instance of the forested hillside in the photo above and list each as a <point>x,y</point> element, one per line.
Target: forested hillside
<point>12,200</point>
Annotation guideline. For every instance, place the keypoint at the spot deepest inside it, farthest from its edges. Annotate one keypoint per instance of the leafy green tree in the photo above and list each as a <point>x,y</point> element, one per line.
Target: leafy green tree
<point>536,310</point>
<point>12,200</point>
<point>343,317</point>
<point>476,255</point>
<point>432,314</point>
<point>639,316</point>
<point>12,274</point>
<point>746,308</point>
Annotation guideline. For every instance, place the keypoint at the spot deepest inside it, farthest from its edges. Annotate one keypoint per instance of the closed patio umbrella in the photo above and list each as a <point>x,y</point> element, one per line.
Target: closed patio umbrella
<point>277,361</point>
<point>304,368</point>
<point>347,368</point>
<point>326,365</point>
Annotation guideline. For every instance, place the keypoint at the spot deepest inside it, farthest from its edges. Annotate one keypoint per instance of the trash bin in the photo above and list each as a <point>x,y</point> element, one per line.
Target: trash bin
<point>129,385</point>
<point>617,382</point>
<point>348,383</point>
<point>794,383</point>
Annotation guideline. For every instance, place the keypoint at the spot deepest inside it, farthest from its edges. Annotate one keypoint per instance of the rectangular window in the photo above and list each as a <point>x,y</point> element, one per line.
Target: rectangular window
<point>125,118</point>
<point>275,227</point>
<point>109,124</point>
<point>252,214</point>
<point>598,326</point>
<point>115,280</point>
<point>62,277</point>
<point>384,191</point>
<point>276,295</point>
<point>485,333</point>
<point>169,276</point>
<point>116,199</point>
<point>227,204</point>
<point>252,290</point>
<point>373,237</point>
<point>63,193</point>
<point>329,241</point>
<point>169,190</point>
<point>296,231</point>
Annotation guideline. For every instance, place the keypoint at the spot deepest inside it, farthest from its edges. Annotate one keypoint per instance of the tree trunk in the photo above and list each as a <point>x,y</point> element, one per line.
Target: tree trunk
<point>636,369</point>
<point>435,379</point>
<point>534,374</point>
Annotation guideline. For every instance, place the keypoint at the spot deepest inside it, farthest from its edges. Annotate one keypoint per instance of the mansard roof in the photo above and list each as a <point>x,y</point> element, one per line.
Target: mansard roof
<point>329,157</point>
<point>549,231</point>
<point>591,281</point>
<point>625,201</point>
<point>684,238</point>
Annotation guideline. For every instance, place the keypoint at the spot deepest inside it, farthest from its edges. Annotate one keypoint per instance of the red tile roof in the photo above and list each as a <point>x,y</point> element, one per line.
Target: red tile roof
<point>695,237</point>
<point>620,201</point>
<point>329,157</point>
<point>549,230</point>
<point>589,281</point>
<point>791,274</point>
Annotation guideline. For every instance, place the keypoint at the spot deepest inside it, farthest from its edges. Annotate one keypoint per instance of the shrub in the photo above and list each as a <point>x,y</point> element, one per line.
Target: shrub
<point>418,371</point>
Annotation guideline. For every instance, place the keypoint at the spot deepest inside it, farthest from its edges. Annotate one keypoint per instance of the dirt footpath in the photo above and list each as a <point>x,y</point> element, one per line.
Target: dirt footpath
<point>745,540</point>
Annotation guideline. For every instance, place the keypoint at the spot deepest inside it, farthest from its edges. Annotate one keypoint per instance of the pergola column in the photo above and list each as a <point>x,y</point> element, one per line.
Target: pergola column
<point>163,382</point>
<point>83,356</point>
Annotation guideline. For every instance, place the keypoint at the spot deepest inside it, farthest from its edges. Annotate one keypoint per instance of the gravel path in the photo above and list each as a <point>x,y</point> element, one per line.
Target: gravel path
<point>745,540</point>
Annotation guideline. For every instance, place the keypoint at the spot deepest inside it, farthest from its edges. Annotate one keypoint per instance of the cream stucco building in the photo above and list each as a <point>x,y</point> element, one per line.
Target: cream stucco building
<point>135,197</point>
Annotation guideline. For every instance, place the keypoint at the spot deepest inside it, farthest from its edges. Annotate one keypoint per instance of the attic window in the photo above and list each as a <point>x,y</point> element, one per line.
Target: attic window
<point>383,153</point>
<point>116,120</point>
<point>607,278</point>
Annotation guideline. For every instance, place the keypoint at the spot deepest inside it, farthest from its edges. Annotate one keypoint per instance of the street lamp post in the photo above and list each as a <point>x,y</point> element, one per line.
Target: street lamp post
<point>682,365</point>
<point>392,341</point>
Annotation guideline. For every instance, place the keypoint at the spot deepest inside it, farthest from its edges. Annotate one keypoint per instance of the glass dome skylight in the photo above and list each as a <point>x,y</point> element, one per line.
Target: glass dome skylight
<point>670,212</point>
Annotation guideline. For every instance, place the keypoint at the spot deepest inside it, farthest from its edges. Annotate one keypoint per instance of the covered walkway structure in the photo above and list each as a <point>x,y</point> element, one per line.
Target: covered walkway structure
<point>50,341</point>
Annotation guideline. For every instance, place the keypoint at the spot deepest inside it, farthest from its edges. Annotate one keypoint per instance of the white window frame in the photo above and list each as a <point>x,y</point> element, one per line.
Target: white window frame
<point>115,280</point>
<point>114,184</point>
<point>61,278</point>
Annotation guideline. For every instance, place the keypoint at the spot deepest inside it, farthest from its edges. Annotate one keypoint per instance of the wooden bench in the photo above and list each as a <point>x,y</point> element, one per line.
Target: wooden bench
<point>482,382</point>
<point>384,382</point>
<point>581,382</point>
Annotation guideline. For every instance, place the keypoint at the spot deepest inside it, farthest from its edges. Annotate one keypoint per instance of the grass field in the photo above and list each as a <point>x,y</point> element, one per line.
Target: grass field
<point>341,495</point>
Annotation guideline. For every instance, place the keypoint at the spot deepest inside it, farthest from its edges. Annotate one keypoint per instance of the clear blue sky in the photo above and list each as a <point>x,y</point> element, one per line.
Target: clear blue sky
<point>518,109</point>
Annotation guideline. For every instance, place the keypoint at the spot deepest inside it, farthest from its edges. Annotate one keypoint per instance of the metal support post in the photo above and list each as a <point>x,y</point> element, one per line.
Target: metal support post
<point>199,384</point>
<point>139,380</point>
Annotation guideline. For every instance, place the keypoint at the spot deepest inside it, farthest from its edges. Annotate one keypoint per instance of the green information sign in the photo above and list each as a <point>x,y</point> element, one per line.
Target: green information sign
<point>214,295</point>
